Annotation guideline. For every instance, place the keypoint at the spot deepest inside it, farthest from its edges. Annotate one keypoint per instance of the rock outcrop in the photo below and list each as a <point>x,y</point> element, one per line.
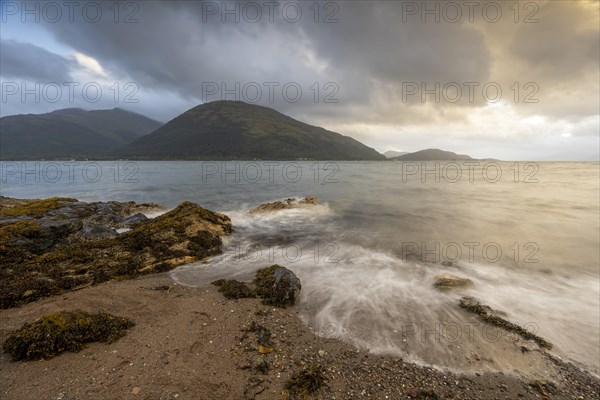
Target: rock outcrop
<point>285,204</point>
<point>38,226</point>
<point>276,285</point>
<point>53,245</point>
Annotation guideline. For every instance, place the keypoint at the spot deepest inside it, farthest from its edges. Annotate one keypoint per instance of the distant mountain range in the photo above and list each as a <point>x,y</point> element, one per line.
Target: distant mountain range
<point>230,130</point>
<point>70,133</point>
<point>392,153</point>
<point>220,130</point>
<point>431,155</point>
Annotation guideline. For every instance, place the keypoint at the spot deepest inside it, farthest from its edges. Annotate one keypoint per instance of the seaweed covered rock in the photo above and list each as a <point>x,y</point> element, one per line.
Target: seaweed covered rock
<point>29,228</point>
<point>232,289</point>
<point>64,331</point>
<point>486,314</point>
<point>135,219</point>
<point>277,285</point>
<point>304,383</point>
<point>32,208</point>
<point>284,204</point>
<point>447,282</point>
<point>32,271</point>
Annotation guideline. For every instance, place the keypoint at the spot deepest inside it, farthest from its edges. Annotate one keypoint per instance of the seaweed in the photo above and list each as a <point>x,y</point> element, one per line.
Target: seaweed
<point>160,288</point>
<point>35,208</point>
<point>25,230</point>
<point>263,312</point>
<point>304,383</point>
<point>263,334</point>
<point>544,387</point>
<point>428,394</point>
<point>254,387</point>
<point>232,289</point>
<point>204,244</point>
<point>277,286</point>
<point>264,280</point>
<point>63,331</point>
<point>262,365</point>
<point>486,314</point>
<point>25,227</point>
<point>185,234</point>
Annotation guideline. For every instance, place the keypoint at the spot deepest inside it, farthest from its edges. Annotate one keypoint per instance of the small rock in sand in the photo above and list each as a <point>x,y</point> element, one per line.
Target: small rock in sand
<point>446,282</point>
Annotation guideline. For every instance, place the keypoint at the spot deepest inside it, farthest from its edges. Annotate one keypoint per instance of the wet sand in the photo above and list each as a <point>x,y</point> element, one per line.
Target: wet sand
<point>192,343</point>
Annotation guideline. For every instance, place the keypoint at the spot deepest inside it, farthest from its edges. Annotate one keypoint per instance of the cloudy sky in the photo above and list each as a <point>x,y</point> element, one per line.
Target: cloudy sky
<point>503,79</point>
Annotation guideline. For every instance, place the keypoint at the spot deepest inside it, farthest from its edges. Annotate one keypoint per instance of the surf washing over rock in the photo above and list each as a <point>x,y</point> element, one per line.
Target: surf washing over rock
<point>377,300</point>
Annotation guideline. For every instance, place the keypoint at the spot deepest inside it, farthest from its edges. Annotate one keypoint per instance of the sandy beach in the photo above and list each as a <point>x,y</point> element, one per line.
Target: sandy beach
<point>247,339</point>
<point>192,343</point>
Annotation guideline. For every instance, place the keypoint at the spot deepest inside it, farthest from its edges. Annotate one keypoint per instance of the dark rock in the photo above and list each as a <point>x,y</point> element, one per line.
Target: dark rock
<point>95,232</point>
<point>60,227</point>
<point>277,285</point>
<point>135,219</point>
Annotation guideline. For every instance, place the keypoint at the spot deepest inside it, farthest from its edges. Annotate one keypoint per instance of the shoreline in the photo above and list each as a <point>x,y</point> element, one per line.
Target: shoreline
<point>193,343</point>
<point>61,254</point>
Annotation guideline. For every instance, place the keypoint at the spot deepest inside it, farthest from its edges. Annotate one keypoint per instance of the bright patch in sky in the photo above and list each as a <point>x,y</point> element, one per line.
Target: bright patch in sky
<point>534,120</point>
<point>90,63</point>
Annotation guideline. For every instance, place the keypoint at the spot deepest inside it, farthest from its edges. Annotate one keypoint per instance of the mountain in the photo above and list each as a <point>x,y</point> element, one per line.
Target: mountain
<point>70,133</point>
<point>432,155</point>
<point>392,153</point>
<point>230,130</point>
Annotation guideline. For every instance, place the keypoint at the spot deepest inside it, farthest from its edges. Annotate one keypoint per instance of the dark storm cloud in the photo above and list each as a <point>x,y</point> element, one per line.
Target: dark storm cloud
<point>172,48</point>
<point>371,38</point>
<point>369,53</point>
<point>561,53</point>
<point>175,50</point>
<point>560,46</point>
<point>368,48</point>
<point>27,61</point>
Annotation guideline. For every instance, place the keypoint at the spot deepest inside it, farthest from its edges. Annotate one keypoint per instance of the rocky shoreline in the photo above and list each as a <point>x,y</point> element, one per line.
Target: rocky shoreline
<point>231,340</point>
<point>55,245</point>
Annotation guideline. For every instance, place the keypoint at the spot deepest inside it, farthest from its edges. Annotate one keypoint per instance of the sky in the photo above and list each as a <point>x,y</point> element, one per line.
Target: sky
<point>501,79</point>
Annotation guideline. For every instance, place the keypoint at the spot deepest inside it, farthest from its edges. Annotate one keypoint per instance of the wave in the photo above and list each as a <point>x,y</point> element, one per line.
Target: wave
<point>378,301</point>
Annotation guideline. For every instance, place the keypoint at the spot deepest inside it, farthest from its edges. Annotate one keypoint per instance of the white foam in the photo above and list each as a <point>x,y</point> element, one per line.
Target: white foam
<point>377,301</point>
<point>156,212</point>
